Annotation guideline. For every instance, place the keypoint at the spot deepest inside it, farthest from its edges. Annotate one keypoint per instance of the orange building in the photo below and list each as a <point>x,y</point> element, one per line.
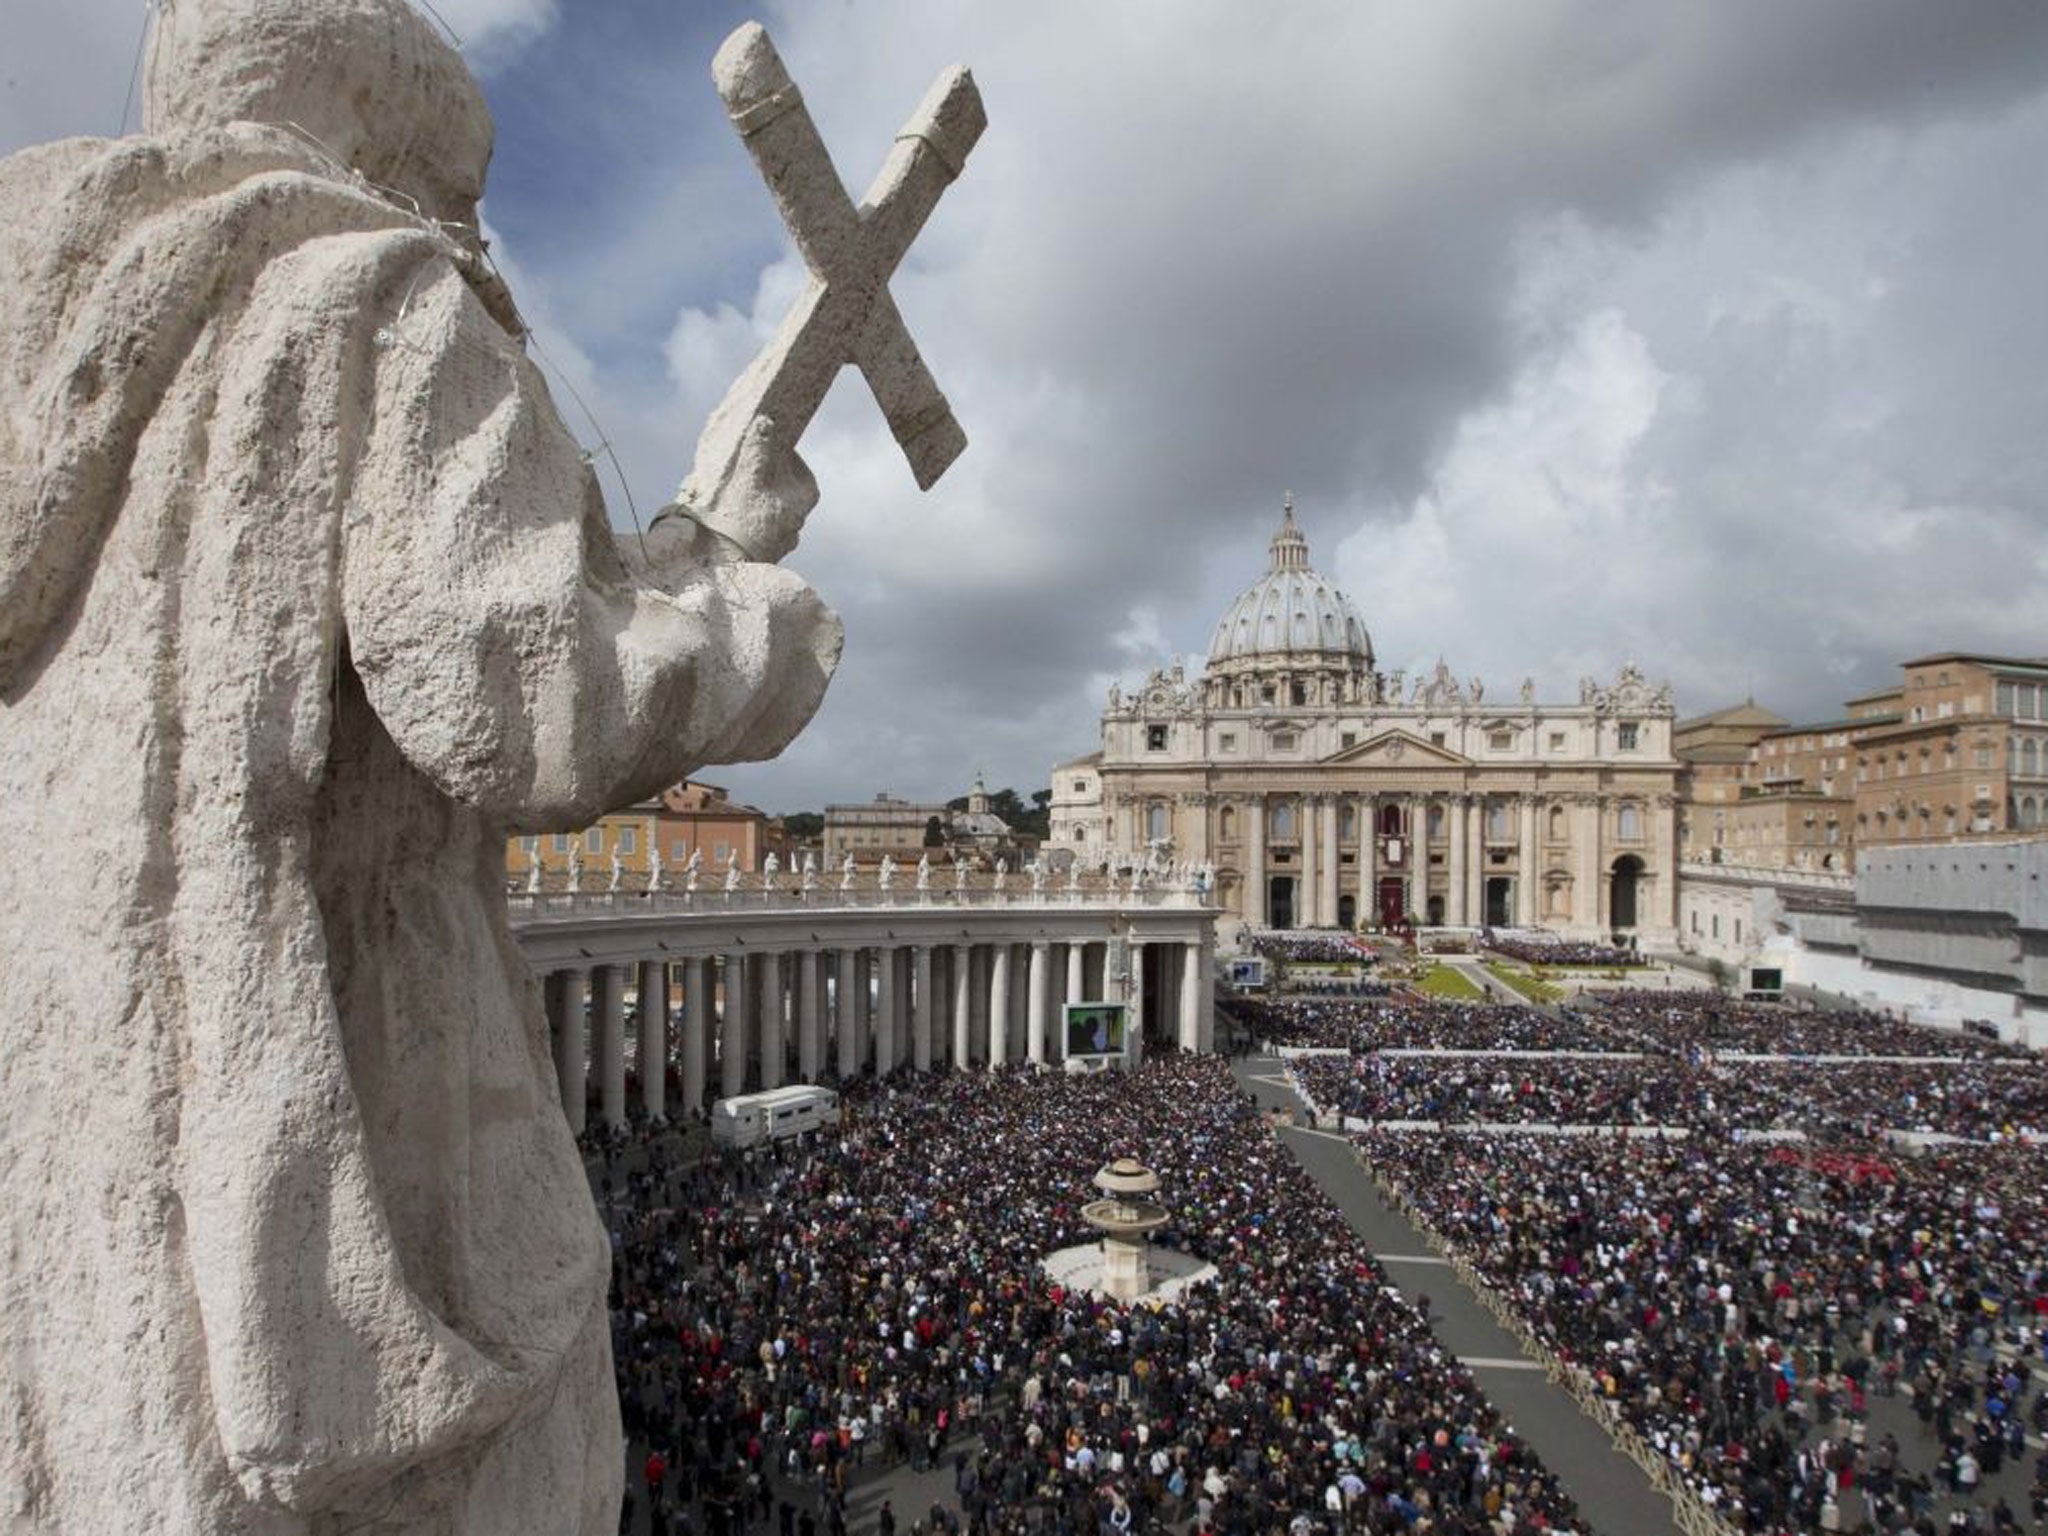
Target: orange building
<point>687,818</point>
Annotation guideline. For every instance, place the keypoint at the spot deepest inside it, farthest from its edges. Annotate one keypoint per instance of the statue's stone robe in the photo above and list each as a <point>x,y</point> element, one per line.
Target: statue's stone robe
<point>306,598</point>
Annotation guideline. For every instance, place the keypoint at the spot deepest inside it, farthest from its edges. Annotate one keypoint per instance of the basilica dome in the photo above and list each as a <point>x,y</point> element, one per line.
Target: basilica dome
<point>1291,610</point>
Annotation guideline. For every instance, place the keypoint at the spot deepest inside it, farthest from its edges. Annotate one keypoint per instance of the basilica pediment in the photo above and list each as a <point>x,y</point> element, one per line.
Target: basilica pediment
<point>1398,749</point>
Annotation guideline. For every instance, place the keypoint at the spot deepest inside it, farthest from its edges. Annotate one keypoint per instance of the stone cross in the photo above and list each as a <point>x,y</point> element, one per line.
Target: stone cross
<point>845,314</point>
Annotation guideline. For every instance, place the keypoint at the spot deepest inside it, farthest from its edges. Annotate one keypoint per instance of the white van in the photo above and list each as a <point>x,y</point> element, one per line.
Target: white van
<point>749,1119</point>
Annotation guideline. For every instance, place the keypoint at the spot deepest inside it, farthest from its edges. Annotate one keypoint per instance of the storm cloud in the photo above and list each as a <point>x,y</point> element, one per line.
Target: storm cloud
<point>1706,336</point>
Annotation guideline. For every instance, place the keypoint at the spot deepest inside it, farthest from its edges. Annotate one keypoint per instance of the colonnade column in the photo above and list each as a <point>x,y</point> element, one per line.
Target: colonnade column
<point>1035,980</point>
<point>1192,979</point>
<point>773,1037</point>
<point>1526,877</point>
<point>565,1016</point>
<point>1306,883</point>
<point>1077,972</point>
<point>809,1047</point>
<point>696,1029</point>
<point>732,1025</point>
<point>1255,860</point>
<point>963,1007</point>
<point>1368,859</point>
<point>609,1026</point>
<point>1586,884</point>
<point>1326,896</point>
<point>846,1012</point>
<point>998,1006</point>
<point>923,1018</point>
<point>1457,911</point>
<point>885,1011</point>
<point>653,1055</point>
<point>1134,994</point>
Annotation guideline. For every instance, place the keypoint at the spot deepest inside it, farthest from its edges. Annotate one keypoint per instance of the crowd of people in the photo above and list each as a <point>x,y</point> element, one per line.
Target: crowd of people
<point>1536,946</point>
<point>1704,1021</point>
<point>1740,1303</point>
<point>1415,1023</point>
<point>787,1316</point>
<point>1838,1102</point>
<point>1313,948</point>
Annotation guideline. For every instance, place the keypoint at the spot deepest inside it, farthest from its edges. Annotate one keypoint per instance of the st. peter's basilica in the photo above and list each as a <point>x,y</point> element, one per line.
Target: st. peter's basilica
<point>1324,792</point>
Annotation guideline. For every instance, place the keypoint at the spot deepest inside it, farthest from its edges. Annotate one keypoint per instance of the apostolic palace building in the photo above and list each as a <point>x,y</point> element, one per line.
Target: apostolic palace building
<point>1326,793</point>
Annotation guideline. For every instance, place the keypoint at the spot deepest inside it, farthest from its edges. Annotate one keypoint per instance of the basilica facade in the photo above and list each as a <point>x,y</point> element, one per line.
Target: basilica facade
<point>1323,792</point>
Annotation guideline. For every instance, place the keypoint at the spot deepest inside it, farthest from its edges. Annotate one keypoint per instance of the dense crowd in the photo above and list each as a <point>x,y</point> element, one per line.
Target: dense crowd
<point>1846,1103</point>
<point>1706,1021</point>
<point>1312,948</point>
<point>1740,1303</point>
<point>784,1316</point>
<point>1536,946</point>
<point>1421,1024</point>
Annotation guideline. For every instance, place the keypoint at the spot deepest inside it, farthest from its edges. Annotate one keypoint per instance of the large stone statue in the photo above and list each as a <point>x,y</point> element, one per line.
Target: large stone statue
<point>307,598</point>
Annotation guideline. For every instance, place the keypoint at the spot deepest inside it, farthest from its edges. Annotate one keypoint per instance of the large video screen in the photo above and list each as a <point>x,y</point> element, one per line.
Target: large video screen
<point>1095,1029</point>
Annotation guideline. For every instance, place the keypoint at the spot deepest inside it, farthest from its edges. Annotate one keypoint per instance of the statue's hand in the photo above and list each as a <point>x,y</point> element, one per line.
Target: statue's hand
<point>753,513</point>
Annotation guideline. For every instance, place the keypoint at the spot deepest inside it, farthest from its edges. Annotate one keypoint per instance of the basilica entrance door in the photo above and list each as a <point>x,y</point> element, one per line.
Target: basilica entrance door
<point>1347,912</point>
<point>1280,901</point>
<point>1499,901</point>
<point>1393,902</point>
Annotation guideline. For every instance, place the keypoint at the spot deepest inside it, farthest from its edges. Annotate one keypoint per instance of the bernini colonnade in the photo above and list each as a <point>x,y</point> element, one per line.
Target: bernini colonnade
<point>758,989</point>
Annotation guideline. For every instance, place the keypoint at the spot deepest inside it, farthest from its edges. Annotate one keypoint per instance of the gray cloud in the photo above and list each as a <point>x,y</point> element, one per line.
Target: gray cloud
<point>1699,334</point>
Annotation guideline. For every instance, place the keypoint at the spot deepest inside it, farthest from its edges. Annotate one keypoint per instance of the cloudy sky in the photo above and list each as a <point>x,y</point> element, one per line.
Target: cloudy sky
<point>1709,335</point>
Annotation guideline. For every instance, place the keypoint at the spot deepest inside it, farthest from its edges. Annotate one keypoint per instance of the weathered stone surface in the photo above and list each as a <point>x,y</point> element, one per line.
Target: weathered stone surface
<point>307,597</point>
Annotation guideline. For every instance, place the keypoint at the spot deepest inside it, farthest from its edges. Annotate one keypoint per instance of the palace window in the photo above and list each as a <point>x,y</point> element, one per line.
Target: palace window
<point>530,846</point>
<point>1625,736</point>
<point>1226,823</point>
<point>629,842</point>
<point>1227,742</point>
<point>1436,738</point>
<point>1155,738</point>
<point>1285,741</point>
<point>1155,822</point>
<point>562,841</point>
<point>1283,820</point>
<point>1299,693</point>
<point>1080,786</point>
<point>1628,823</point>
<point>1496,822</point>
<point>593,840</point>
<point>1500,741</point>
<point>1348,739</point>
<point>1557,741</point>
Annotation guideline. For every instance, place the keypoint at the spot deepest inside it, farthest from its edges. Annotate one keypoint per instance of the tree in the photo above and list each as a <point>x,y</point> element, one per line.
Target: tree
<point>806,826</point>
<point>934,832</point>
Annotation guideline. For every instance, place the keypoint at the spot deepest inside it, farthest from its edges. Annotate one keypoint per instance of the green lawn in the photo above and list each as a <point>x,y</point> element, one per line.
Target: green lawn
<point>1442,981</point>
<point>1533,988</point>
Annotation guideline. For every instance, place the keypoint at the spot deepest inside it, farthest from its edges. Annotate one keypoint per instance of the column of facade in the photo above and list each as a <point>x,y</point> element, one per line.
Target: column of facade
<point>998,1006</point>
<point>696,1029</point>
<point>1529,880</point>
<point>565,1016</point>
<point>1326,899</point>
<point>963,1007</point>
<point>608,1026</point>
<point>653,1055</point>
<point>1664,873</point>
<point>1586,902</point>
<point>846,1012</point>
<point>924,1020</point>
<point>886,1015</point>
<point>1192,976</point>
<point>1418,857</point>
<point>809,1045</point>
<point>1254,903</point>
<point>1306,884</point>
<point>1457,910</point>
<point>732,1025</point>
<point>773,1036</point>
<point>1196,809</point>
<point>1368,859</point>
